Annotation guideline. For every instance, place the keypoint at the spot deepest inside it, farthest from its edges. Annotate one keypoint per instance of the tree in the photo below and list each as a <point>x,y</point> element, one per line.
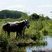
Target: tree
<point>10,14</point>
<point>35,16</point>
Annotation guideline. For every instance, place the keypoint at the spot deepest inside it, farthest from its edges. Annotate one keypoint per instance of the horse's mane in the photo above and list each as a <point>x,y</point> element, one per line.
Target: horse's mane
<point>16,22</point>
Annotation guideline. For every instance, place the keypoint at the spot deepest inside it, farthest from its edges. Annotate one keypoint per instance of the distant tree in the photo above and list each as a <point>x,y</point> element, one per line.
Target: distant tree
<point>47,18</point>
<point>42,17</point>
<point>19,14</point>
<point>35,16</point>
<point>10,14</point>
<point>25,16</point>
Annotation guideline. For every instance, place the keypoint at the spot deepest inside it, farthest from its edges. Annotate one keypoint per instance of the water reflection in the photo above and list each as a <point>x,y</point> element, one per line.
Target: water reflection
<point>49,42</point>
<point>48,46</point>
<point>30,48</point>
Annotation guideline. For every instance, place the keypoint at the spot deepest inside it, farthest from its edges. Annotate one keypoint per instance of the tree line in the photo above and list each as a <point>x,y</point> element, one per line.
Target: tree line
<point>19,14</point>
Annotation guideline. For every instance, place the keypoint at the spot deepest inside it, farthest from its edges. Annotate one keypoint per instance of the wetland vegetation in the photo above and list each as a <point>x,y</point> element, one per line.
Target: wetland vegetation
<point>40,26</point>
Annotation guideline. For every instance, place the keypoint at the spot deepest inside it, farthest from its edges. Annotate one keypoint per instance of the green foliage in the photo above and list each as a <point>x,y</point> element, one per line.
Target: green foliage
<point>37,36</point>
<point>45,32</point>
<point>18,14</point>
<point>41,17</point>
<point>34,16</point>
<point>3,42</point>
<point>39,26</point>
<point>10,14</point>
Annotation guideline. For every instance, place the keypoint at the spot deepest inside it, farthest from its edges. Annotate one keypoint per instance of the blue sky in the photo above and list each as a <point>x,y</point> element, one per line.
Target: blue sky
<point>28,6</point>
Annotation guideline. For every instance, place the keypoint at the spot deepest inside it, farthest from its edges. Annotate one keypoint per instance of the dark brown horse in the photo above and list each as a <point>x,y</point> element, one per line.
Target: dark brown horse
<point>18,27</point>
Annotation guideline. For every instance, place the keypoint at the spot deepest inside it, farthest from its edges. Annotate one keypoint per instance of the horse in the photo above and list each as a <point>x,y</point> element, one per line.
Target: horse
<point>17,26</point>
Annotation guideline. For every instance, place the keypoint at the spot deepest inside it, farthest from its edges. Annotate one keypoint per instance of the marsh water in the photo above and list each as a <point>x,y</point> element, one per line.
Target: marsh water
<point>30,48</point>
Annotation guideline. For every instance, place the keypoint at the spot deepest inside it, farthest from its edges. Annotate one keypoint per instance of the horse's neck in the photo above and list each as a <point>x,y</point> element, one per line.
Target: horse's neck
<point>22,25</point>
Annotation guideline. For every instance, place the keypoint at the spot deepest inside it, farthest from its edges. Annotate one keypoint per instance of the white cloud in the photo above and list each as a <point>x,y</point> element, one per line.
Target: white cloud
<point>44,6</point>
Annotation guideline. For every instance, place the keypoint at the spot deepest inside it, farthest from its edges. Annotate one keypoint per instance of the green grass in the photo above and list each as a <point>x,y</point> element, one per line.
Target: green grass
<point>34,29</point>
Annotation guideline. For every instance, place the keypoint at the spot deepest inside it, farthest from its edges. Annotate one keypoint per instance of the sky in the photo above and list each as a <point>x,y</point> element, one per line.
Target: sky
<point>29,6</point>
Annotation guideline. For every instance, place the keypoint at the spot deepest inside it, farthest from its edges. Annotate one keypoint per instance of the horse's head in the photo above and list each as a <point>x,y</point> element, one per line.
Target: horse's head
<point>27,23</point>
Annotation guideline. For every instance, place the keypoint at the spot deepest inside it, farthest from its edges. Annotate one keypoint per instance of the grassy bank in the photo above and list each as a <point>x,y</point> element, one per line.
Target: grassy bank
<point>37,30</point>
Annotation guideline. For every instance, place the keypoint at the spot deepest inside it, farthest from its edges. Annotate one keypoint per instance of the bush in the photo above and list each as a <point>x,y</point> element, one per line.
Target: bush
<point>45,32</point>
<point>37,36</point>
<point>3,44</point>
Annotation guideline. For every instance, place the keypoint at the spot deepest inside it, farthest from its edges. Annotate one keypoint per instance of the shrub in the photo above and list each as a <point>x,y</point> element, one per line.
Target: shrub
<point>45,32</point>
<point>3,44</point>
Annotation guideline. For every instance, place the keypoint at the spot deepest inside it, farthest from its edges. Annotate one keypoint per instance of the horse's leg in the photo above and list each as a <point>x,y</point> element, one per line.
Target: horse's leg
<point>16,34</point>
<point>20,33</point>
<point>8,34</point>
<point>23,32</point>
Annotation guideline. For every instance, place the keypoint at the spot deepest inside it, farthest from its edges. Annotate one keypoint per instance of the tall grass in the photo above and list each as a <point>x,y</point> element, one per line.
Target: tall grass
<point>36,30</point>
